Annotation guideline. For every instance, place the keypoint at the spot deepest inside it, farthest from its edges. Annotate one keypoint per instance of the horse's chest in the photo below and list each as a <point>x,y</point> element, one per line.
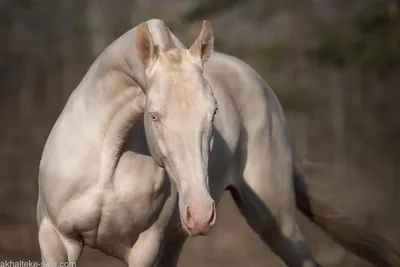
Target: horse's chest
<point>138,195</point>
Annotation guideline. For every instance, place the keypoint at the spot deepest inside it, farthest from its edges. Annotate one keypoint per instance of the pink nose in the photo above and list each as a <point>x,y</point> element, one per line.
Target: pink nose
<point>200,223</point>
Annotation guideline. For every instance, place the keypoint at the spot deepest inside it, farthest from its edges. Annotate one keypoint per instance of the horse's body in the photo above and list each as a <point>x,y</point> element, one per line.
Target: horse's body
<point>103,183</point>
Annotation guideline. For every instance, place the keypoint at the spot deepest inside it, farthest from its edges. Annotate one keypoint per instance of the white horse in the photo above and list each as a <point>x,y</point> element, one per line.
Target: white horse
<point>149,141</point>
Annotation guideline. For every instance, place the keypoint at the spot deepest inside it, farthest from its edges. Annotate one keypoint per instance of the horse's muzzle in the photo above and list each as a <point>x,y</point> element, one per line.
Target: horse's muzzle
<point>199,218</point>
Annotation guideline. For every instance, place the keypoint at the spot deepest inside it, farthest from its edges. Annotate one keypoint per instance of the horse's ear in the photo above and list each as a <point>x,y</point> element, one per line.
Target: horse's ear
<point>145,48</point>
<point>203,47</point>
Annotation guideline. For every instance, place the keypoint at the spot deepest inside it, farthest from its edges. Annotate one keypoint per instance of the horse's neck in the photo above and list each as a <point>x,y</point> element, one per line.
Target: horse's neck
<point>117,132</point>
<point>114,100</point>
<point>117,103</point>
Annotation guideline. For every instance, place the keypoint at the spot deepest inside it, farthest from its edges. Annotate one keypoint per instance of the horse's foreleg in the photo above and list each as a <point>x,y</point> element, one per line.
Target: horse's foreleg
<point>264,195</point>
<point>56,249</point>
<point>158,248</point>
<point>172,246</point>
<point>145,251</point>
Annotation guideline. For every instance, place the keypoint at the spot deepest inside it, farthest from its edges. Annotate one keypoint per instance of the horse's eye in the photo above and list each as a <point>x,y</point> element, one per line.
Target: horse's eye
<point>154,118</point>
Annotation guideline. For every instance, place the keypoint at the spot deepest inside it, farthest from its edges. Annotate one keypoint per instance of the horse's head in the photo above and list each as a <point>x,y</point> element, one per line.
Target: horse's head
<point>179,113</point>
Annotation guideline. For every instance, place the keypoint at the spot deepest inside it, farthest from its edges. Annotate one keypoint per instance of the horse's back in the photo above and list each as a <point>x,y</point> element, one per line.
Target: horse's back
<point>253,99</point>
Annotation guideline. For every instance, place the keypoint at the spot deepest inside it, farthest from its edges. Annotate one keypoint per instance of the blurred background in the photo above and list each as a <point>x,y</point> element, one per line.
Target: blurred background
<point>334,65</point>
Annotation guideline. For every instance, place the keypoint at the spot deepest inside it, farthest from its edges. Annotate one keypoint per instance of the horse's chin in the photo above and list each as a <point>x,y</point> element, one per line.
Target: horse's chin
<point>189,233</point>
